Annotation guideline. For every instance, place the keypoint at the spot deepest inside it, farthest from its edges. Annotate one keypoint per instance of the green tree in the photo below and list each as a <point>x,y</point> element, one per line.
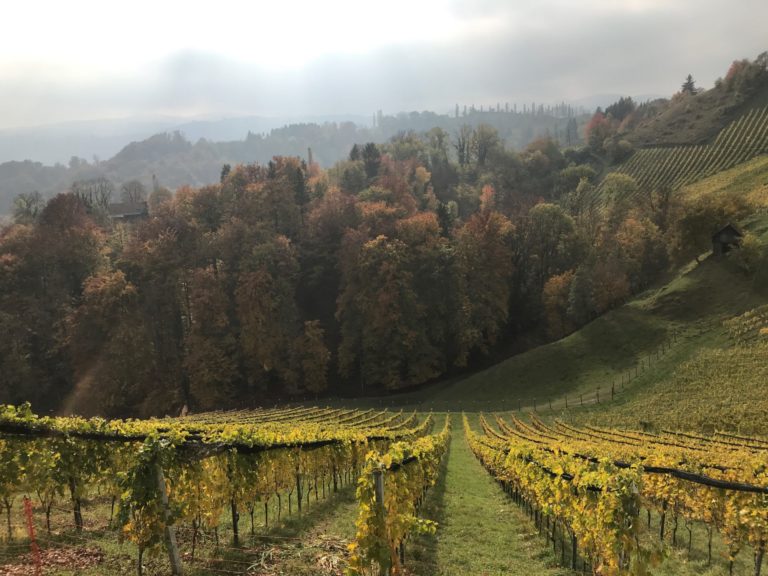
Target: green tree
<point>689,86</point>
<point>484,267</point>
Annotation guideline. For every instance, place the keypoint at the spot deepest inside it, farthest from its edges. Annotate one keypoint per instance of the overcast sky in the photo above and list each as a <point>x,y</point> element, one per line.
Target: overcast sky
<point>83,59</point>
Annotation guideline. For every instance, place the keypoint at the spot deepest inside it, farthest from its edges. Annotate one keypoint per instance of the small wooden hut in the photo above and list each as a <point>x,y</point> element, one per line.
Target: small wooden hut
<point>726,239</point>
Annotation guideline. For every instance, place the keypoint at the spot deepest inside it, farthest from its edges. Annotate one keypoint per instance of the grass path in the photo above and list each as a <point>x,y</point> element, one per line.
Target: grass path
<point>481,531</point>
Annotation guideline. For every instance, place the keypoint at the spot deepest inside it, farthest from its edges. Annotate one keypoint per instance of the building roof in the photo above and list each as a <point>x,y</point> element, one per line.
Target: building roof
<point>127,209</point>
<point>728,229</point>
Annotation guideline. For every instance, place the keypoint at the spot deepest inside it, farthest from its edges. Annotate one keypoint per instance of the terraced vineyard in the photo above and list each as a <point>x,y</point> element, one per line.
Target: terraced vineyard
<point>674,167</point>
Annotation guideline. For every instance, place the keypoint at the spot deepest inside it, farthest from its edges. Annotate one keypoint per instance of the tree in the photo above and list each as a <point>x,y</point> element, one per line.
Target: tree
<point>27,207</point>
<point>597,130</point>
<point>314,357</point>
<point>484,141</point>
<point>133,191</point>
<point>267,313</point>
<point>384,341</point>
<point>111,350</point>
<point>95,194</point>
<point>211,349</point>
<point>463,145</point>
<point>621,108</point>
<point>371,160</point>
<point>689,87</point>
<point>555,301</point>
<point>484,267</point>
<point>549,244</point>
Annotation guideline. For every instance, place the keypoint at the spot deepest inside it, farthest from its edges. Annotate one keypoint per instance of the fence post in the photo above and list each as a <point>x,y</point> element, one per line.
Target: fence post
<point>31,533</point>
<point>378,487</point>
<point>170,534</point>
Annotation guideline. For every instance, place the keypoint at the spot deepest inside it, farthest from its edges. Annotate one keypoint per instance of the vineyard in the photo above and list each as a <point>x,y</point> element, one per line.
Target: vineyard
<point>606,501</point>
<point>593,491</point>
<point>674,167</point>
<point>164,475</point>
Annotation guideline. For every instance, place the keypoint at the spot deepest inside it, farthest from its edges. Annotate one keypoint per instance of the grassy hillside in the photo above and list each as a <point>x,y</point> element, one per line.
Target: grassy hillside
<point>697,119</point>
<point>691,306</point>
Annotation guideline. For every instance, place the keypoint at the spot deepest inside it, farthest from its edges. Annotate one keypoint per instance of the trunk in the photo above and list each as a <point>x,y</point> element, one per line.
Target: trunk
<point>709,545</point>
<point>674,532</point>
<point>195,527</point>
<point>252,511</point>
<point>573,551</point>
<point>562,546</point>
<point>76,511</point>
<point>235,522</point>
<point>266,515</point>
<point>298,492</point>
<point>759,558</point>
<point>112,510</point>
<point>48,517</point>
<point>169,534</point>
<point>690,536</point>
<point>7,504</point>
<point>279,506</point>
<point>662,522</point>
<point>334,473</point>
<point>140,562</point>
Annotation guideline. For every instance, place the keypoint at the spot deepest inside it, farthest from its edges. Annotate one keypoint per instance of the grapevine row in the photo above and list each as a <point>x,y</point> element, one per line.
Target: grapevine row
<point>720,481</point>
<point>189,470</point>
<point>390,489</point>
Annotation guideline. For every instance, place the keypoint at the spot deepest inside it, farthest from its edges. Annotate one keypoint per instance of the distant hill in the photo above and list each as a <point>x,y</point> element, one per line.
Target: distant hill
<point>173,159</point>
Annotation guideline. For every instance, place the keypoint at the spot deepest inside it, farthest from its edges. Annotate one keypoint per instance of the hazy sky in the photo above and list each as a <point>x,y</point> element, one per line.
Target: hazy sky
<point>84,59</point>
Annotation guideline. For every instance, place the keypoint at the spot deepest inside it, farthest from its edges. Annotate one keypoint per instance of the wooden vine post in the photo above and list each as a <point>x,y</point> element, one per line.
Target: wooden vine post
<point>32,539</point>
<point>378,487</point>
<point>169,533</point>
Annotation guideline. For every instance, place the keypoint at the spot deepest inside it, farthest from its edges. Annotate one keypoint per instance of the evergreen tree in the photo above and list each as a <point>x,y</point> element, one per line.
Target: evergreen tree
<point>689,86</point>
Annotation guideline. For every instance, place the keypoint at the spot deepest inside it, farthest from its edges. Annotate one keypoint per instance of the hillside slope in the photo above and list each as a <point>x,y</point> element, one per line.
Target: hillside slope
<point>673,167</point>
<point>688,119</point>
<point>691,305</point>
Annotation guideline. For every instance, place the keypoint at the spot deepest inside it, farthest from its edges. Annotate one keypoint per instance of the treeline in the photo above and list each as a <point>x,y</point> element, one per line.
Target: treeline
<point>175,161</point>
<point>400,264</point>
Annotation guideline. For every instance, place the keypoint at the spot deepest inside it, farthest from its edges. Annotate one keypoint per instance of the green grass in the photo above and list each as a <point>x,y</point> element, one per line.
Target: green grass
<point>481,532</point>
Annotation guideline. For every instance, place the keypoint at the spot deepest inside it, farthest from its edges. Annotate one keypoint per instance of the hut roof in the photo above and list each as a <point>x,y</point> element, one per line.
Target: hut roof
<point>728,230</point>
<point>127,209</point>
